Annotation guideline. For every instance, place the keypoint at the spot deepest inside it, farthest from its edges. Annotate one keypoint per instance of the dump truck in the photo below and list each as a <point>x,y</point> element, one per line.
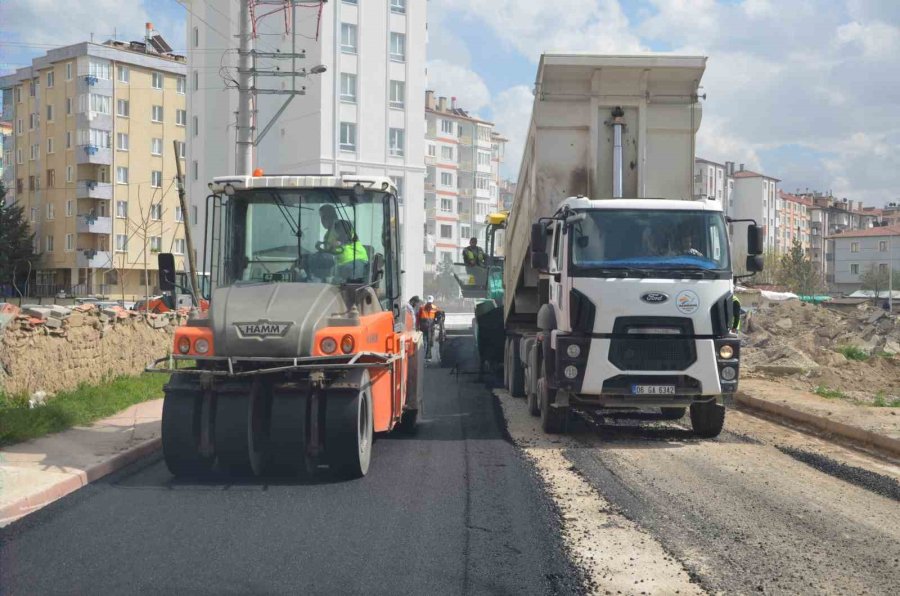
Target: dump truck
<point>618,284</point>
<point>307,348</point>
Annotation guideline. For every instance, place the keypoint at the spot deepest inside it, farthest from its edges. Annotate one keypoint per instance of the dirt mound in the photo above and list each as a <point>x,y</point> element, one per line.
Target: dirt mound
<point>808,346</point>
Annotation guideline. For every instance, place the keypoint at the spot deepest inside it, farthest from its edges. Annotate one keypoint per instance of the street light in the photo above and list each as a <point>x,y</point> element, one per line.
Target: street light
<point>317,69</point>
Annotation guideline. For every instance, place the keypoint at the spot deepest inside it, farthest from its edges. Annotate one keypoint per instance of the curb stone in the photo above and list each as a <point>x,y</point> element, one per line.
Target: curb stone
<point>76,479</point>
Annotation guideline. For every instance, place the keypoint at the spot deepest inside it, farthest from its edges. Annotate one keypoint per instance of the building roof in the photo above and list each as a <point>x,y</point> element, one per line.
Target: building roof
<point>794,198</point>
<point>869,232</point>
<point>709,161</point>
<point>752,174</point>
<point>458,113</point>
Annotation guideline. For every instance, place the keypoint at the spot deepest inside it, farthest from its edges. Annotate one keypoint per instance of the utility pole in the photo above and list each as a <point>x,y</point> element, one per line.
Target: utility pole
<point>186,222</point>
<point>246,84</point>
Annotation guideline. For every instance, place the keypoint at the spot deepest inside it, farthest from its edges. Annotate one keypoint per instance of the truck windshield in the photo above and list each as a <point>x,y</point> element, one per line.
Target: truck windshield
<point>307,236</point>
<point>638,239</point>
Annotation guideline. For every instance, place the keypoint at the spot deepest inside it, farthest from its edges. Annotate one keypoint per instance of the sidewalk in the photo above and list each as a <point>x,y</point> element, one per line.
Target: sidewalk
<point>36,473</point>
<point>875,428</point>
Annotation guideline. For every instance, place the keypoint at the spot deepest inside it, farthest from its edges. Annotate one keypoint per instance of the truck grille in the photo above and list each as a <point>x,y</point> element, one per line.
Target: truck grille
<point>631,350</point>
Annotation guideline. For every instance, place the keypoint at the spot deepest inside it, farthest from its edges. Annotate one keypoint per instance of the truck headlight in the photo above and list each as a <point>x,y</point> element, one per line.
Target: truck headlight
<point>573,351</point>
<point>184,345</point>
<point>726,352</point>
<point>571,372</point>
<point>201,346</point>
<point>328,345</point>
<point>729,373</point>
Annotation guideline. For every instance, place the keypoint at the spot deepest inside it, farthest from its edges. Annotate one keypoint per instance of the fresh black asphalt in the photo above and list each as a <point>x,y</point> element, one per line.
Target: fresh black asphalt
<point>453,510</point>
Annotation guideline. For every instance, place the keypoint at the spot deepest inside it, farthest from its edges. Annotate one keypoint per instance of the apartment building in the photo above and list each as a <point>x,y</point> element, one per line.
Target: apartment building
<point>462,179</point>
<point>7,147</point>
<point>830,216</point>
<point>93,163</point>
<point>856,251</point>
<point>792,221</point>
<point>714,182</point>
<point>507,193</point>
<point>754,198</point>
<point>362,115</point>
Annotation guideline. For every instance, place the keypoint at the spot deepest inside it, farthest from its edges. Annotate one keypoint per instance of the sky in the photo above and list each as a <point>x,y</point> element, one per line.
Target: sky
<point>807,91</point>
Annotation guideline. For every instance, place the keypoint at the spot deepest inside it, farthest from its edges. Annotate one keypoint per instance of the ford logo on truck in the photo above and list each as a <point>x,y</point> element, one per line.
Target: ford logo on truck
<point>262,329</point>
<point>655,297</point>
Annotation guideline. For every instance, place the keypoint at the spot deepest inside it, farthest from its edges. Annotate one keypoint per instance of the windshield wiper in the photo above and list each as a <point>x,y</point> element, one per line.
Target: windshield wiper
<point>623,270</point>
<point>693,272</point>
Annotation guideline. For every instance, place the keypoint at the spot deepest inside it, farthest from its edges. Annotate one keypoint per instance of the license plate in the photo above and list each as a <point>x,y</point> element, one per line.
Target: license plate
<point>653,389</point>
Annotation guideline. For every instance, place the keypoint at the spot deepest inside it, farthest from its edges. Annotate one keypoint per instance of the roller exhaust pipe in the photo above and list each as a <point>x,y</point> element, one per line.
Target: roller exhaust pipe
<point>618,124</point>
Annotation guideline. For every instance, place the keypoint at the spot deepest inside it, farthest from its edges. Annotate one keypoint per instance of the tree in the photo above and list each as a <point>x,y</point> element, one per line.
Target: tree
<point>798,273</point>
<point>17,255</point>
<point>875,279</point>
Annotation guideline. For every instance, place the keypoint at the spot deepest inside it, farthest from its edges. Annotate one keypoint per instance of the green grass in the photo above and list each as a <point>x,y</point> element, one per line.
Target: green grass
<point>882,402</point>
<point>853,353</point>
<point>81,406</point>
<point>827,393</point>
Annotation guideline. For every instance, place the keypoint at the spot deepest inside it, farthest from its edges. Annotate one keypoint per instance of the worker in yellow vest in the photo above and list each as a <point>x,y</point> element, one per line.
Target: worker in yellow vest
<point>351,257</point>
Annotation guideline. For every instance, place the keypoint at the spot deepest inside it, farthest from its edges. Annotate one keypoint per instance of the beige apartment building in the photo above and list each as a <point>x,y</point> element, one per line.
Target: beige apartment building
<point>92,161</point>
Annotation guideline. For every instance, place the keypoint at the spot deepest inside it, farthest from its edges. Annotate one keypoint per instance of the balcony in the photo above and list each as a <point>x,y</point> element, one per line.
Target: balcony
<point>483,193</point>
<point>94,259</point>
<point>92,224</point>
<point>91,189</point>
<point>92,154</point>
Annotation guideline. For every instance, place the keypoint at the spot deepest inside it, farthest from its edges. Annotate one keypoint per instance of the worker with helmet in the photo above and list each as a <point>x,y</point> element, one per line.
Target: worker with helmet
<point>427,316</point>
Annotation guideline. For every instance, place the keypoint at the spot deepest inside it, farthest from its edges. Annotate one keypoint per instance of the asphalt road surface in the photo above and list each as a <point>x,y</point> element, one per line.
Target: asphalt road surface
<point>453,510</point>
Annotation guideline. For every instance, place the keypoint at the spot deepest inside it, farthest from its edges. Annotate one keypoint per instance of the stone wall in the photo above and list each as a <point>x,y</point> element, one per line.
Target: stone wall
<point>58,350</point>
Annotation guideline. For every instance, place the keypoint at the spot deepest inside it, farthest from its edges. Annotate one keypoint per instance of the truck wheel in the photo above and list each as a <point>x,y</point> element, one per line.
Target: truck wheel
<point>348,429</point>
<point>672,413</point>
<point>534,406</point>
<point>289,432</point>
<point>554,421</point>
<point>516,370</point>
<point>241,428</point>
<point>408,422</point>
<point>181,419</point>
<point>707,419</point>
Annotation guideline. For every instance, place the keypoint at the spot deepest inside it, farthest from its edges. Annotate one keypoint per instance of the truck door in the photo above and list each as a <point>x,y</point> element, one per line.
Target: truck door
<point>556,267</point>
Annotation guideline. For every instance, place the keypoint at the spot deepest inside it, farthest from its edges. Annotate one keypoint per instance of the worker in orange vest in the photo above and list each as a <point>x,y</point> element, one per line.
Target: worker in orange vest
<point>426,318</point>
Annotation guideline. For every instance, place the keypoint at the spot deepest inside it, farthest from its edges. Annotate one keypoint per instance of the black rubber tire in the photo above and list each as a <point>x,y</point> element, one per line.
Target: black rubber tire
<point>554,421</point>
<point>534,403</point>
<point>237,409</point>
<point>181,416</point>
<point>673,413</point>
<point>289,432</point>
<point>707,419</point>
<point>409,422</point>
<point>516,370</point>
<point>349,430</point>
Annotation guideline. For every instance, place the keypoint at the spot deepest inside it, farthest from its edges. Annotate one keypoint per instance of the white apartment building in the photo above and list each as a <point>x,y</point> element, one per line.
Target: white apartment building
<point>463,177</point>
<point>363,115</point>
<point>754,198</point>
<point>714,182</point>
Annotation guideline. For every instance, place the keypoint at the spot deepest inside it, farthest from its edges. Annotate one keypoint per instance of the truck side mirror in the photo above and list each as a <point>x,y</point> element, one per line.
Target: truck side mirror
<point>538,238</point>
<point>755,240</point>
<point>540,261</point>
<point>166,263</point>
<point>377,267</point>
<point>754,264</point>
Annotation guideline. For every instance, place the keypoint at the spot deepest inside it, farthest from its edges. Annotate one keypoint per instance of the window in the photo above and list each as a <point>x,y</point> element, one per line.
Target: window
<point>69,71</point>
<point>93,102</point>
<point>180,246</point>
<point>181,149</point>
<point>18,94</point>
<point>94,137</point>
<point>49,242</point>
<point>882,246</point>
<point>398,47</point>
<point>122,175</point>
<point>882,268</point>
<point>446,231</point>
<point>19,128</point>
<point>70,242</point>
<point>348,87</point>
<point>51,178</point>
<point>396,138</point>
<point>181,117</point>
<point>68,106</point>
<point>156,80</point>
<point>196,37</point>
<point>398,182</point>
<point>122,209</point>
<point>196,75</point>
<point>348,136</point>
<point>50,148</point>
<point>156,147</point>
<point>156,114</point>
<point>124,74</point>
<point>122,108</point>
<point>398,6</point>
<point>121,243</point>
<point>398,94</point>
<point>70,174</point>
<point>854,247</point>
<point>193,213</point>
<point>33,214</point>
<point>447,126</point>
<point>179,214</point>
<point>68,140</point>
<point>31,183</point>
<point>19,156</point>
<point>99,69</point>
<point>51,211</point>
<point>35,151</point>
<point>50,80</point>
<point>32,121</point>
<point>432,150</point>
<point>350,2</point>
<point>446,179</point>
<point>484,158</point>
<point>196,126</point>
<point>195,170</point>
<point>181,84</point>
<point>156,182</point>
<point>348,38</point>
<point>482,182</point>
<point>155,243</point>
<point>446,205</point>
<point>447,153</point>
<point>122,141</point>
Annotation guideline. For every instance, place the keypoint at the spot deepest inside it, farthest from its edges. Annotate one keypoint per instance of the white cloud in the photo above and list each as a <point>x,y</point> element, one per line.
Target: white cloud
<point>453,80</point>
<point>512,113</point>
<point>877,40</point>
